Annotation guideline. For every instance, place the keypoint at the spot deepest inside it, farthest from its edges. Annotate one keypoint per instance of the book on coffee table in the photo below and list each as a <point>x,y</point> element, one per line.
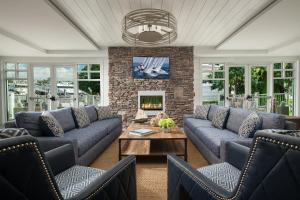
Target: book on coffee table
<point>141,132</point>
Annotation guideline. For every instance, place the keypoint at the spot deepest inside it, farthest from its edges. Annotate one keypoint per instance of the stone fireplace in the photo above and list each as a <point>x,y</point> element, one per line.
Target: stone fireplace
<point>175,93</point>
<point>152,102</point>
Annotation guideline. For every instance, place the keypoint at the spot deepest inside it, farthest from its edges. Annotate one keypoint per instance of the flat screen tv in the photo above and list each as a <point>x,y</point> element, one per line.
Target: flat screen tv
<point>151,67</point>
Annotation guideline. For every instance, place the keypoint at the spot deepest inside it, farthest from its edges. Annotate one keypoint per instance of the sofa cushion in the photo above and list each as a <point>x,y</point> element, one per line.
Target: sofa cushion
<point>105,112</point>
<point>92,113</point>
<point>193,123</point>
<point>30,121</point>
<point>272,120</point>
<point>65,118</point>
<point>89,136</point>
<point>81,117</point>
<point>49,125</point>
<point>212,110</point>
<point>250,125</point>
<point>220,117</point>
<point>236,118</point>
<point>212,137</point>
<point>201,111</point>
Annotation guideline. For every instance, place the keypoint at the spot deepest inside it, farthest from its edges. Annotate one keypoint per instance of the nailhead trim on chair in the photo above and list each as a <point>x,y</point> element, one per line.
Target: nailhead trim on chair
<point>35,148</point>
<point>286,145</point>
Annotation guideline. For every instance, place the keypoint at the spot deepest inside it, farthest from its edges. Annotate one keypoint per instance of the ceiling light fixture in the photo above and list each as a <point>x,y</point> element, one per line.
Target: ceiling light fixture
<point>149,27</point>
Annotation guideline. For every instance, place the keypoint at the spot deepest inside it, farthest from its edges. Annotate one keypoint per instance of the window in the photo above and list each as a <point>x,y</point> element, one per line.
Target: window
<point>16,88</point>
<point>88,84</point>
<point>237,81</point>
<point>213,81</point>
<point>283,84</point>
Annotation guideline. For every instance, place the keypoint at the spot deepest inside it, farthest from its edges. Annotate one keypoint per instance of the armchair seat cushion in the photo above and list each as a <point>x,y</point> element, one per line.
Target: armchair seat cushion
<point>224,175</point>
<point>75,179</point>
<point>212,137</point>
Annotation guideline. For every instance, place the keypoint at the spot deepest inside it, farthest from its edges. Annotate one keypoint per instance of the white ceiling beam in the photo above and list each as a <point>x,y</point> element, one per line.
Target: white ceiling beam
<point>21,40</point>
<point>201,51</point>
<point>68,19</point>
<point>285,44</point>
<point>268,7</point>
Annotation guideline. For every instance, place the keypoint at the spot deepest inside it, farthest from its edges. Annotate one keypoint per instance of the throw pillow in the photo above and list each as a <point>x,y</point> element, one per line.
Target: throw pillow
<point>201,111</point>
<point>50,125</point>
<point>105,112</point>
<point>81,117</point>
<point>249,125</point>
<point>12,132</point>
<point>220,117</point>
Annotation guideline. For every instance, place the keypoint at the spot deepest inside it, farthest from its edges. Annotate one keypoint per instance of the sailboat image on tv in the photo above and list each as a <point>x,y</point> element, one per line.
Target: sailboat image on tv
<point>151,67</point>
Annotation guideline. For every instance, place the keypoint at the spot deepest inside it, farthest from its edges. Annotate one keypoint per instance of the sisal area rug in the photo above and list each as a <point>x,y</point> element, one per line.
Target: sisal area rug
<point>151,172</point>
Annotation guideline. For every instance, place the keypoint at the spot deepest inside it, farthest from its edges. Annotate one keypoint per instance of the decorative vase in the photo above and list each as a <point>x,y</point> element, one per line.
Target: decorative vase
<point>166,130</point>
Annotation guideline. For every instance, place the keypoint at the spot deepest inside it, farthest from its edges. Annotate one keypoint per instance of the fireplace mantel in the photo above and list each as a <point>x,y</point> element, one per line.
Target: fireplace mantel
<point>156,108</point>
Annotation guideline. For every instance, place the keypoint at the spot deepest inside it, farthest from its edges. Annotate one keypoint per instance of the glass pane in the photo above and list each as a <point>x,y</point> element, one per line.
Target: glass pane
<point>207,67</point>
<point>236,81</point>
<point>10,66</point>
<point>218,67</point>
<point>95,75</point>
<point>95,67</point>
<point>277,66</point>
<point>284,95</point>
<point>10,74</point>
<point>288,65</point>
<point>277,74</point>
<point>288,74</point>
<point>82,67</point>
<point>88,93</point>
<point>259,86</point>
<point>207,75</point>
<point>23,75</point>
<point>65,86</point>
<point>213,92</point>
<point>219,74</point>
<point>83,75</point>
<point>17,97</point>
<point>23,66</point>
<point>41,88</point>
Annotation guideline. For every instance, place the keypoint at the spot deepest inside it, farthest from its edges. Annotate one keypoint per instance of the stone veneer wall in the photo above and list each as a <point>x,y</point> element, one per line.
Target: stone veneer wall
<point>179,88</point>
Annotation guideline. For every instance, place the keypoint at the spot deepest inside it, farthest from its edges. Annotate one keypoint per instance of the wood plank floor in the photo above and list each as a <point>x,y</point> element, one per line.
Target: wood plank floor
<point>151,172</point>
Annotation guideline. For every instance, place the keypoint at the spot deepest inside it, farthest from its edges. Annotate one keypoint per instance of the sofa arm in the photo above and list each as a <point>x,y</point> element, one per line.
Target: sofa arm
<point>185,182</point>
<point>289,125</point>
<point>49,143</point>
<point>188,116</point>
<point>10,124</point>
<point>235,154</point>
<point>61,158</point>
<point>117,183</point>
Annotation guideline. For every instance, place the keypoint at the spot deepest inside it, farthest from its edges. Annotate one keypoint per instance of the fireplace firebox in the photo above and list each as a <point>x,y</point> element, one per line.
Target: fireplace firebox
<point>151,102</point>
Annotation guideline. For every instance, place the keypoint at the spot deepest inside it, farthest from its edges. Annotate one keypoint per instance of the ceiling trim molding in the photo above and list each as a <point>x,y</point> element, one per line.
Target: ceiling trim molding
<point>201,51</point>
<point>68,19</point>
<point>74,51</point>
<point>285,44</point>
<point>21,40</point>
<point>268,7</point>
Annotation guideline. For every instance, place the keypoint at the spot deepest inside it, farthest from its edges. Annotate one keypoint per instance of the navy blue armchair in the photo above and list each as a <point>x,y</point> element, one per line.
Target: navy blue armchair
<point>28,173</point>
<point>269,170</point>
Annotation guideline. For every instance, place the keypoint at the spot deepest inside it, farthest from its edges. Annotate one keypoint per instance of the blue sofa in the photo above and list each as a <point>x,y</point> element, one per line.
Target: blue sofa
<point>210,140</point>
<point>88,142</point>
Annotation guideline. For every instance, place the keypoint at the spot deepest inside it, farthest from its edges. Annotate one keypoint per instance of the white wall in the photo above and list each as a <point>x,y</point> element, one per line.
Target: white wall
<point>244,61</point>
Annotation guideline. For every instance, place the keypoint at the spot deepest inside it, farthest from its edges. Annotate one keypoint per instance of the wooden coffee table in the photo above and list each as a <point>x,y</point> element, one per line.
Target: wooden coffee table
<point>155,144</point>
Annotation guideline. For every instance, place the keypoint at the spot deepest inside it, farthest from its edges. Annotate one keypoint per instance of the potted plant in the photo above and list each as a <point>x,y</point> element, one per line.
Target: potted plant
<point>166,124</point>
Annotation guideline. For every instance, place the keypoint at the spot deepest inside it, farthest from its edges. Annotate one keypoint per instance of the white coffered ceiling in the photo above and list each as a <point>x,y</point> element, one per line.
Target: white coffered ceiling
<point>86,27</point>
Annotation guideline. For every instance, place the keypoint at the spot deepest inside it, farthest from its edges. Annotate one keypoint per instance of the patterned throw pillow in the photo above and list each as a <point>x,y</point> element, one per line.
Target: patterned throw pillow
<point>105,112</point>
<point>81,117</point>
<point>12,132</point>
<point>220,117</point>
<point>50,125</point>
<point>201,111</point>
<point>249,125</point>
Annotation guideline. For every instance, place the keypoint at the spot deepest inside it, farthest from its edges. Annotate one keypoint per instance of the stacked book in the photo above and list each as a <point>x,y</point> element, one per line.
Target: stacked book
<point>140,132</point>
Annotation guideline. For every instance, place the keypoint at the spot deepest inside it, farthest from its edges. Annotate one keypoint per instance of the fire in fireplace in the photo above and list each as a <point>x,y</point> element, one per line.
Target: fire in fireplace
<point>151,103</point>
